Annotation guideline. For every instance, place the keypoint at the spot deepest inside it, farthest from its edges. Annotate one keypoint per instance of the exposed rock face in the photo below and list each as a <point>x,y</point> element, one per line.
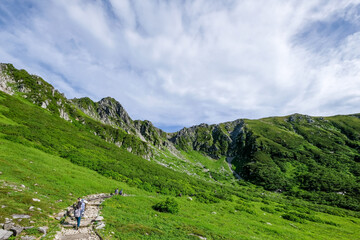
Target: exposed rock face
<point>110,110</point>
<point>64,115</point>
<point>107,110</point>
<point>5,80</point>
<point>33,88</point>
<point>214,140</point>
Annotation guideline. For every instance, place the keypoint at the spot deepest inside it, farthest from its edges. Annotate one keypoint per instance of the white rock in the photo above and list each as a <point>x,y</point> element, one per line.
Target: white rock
<point>100,226</point>
<point>36,200</point>
<point>4,234</point>
<point>16,216</point>
<point>43,229</point>
<point>28,238</point>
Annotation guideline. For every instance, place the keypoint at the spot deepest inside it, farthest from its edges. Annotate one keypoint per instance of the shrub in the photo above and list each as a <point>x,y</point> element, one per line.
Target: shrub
<point>243,208</point>
<point>293,218</point>
<point>206,198</point>
<point>268,209</point>
<point>169,205</point>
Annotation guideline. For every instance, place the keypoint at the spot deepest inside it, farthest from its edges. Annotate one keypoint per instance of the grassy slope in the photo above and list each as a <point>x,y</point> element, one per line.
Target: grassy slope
<point>133,218</point>
<point>36,127</point>
<point>50,178</point>
<point>45,177</point>
<point>315,158</point>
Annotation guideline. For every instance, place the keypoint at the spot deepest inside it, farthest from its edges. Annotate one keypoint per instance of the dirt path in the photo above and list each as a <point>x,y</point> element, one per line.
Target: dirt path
<point>86,230</point>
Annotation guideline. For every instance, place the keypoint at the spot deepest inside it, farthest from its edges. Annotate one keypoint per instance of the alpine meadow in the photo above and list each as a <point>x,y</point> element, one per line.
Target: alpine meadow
<point>291,177</point>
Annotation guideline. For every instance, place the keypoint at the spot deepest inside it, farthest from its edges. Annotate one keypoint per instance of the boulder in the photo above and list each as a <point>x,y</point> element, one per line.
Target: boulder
<point>8,225</point>
<point>28,238</point>
<point>5,234</point>
<point>43,230</point>
<point>16,216</point>
<point>100,226</point>
<point>16,230</point>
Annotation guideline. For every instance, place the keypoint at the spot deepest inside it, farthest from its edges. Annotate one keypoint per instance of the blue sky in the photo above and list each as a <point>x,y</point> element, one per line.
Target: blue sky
<point>182,63</point>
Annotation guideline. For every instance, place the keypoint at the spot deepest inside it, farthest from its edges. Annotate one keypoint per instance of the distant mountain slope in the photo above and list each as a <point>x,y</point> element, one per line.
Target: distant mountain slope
<point>310,157</point>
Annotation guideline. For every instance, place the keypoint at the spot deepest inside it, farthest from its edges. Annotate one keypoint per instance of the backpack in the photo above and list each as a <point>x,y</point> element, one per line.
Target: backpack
<point>78,205</point>
<point>77,212</point>
<point>82,206</point>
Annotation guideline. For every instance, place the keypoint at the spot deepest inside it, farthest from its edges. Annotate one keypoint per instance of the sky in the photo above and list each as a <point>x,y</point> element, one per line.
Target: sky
<point>180,63</point>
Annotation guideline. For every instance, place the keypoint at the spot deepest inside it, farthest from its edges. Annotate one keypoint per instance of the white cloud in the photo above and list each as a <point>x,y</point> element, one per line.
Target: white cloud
<point>187,62</point>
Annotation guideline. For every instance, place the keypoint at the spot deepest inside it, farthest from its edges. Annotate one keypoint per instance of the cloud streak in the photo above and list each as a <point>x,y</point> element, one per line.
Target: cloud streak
<point>180,63</point>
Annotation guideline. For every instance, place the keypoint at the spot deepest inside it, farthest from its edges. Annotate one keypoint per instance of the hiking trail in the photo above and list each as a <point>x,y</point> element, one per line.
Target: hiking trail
<point>87,224</point>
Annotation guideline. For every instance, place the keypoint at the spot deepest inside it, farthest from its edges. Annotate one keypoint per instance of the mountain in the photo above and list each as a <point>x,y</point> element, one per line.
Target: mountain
<point>315,158</point>
<point>274,178</point>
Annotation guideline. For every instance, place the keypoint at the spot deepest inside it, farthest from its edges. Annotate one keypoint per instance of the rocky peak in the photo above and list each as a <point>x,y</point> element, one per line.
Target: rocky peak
<point>299,118</point>
<point>109,107</point>
<point>33,88</point>
<point>214,140</point>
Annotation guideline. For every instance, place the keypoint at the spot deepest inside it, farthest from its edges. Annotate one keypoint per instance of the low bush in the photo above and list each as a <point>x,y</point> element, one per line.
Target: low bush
<point>243,208</point>
<point>268,209</point>
<point>293,218</point>
<point>206,198</point>
<point>169,206</point>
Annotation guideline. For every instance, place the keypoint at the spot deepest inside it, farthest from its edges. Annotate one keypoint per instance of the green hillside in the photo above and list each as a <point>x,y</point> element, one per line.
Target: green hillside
<point>312,158</point>
<point>300,175</point>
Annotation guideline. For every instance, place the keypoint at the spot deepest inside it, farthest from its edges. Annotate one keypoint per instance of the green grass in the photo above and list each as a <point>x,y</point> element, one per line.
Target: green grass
<point>216,169</point>
<point>134,218</point>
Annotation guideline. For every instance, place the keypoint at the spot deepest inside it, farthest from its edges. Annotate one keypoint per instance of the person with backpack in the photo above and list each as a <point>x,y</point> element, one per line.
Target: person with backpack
<point>78,213</point>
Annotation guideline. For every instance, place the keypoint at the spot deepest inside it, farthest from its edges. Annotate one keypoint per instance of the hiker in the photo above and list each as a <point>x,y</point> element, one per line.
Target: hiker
<point>116,191</point>
<point>77,213</point>
<point>121,192</point>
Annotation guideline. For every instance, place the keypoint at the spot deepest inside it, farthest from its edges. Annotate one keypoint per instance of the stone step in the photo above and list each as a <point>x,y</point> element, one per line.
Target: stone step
<point>71,224</point>
<point>77,236</point>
